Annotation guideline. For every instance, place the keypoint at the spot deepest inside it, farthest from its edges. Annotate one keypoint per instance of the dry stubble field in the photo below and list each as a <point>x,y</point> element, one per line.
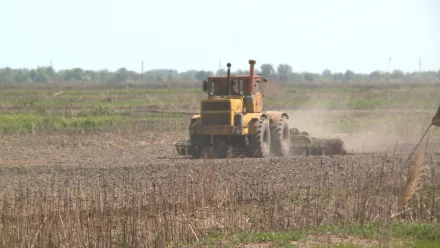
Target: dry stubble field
<point>127,187</point>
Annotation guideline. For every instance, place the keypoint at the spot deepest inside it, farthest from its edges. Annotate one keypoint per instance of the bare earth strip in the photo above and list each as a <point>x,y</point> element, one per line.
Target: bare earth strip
<point>35,160</point>
<point>142,175</point>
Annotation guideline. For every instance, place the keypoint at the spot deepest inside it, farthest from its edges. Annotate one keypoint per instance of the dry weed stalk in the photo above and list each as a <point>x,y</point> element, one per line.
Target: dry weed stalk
<point>436,119</point>
<point>414,174</point>
<point>201,198</point>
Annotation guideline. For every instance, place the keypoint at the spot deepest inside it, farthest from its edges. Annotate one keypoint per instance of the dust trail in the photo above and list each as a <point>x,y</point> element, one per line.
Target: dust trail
<point>367,130</point>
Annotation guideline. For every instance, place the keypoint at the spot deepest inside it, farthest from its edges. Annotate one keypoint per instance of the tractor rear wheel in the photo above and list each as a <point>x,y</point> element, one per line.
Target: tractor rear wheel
<point>198,145</point>
<point>259,144</point>
<point>280,145</point>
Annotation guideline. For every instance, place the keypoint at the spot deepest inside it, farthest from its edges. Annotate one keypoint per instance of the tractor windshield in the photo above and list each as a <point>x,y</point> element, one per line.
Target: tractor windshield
<point>220,87</point>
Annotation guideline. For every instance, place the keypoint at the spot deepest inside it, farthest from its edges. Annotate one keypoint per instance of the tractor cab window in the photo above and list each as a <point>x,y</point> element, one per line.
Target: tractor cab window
<point>218,88</point>
<point>257,86</point>
<point>221,87</point>
<point>237,87</point>
<point>211,88</point>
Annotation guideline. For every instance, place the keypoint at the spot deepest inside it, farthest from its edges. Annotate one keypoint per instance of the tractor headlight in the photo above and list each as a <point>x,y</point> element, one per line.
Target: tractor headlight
<point>238,131</point>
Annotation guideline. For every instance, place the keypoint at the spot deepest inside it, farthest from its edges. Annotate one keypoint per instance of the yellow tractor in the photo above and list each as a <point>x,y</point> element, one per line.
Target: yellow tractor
<point>232,122</point>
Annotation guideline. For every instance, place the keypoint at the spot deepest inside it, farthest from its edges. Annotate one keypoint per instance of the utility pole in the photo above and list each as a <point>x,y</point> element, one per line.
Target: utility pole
<point>420,64</point>
<point>142,70</point>
<point>389,61</point>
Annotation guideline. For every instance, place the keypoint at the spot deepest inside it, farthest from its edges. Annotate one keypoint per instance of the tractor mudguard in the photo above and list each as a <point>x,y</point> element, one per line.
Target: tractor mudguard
<point>275,116</point>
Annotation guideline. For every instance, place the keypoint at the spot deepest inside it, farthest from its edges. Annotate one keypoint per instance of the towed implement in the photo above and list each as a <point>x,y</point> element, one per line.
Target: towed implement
<point>232,123</point>
<point>302,143</point>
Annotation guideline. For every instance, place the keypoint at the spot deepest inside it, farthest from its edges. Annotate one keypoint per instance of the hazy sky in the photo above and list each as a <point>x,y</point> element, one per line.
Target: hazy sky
<point>197,34</point>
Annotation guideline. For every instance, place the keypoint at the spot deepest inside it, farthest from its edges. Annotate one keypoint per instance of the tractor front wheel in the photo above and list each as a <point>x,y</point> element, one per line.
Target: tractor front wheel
<point>281,138</point>
<point>259,144</point>
<point>198,144</point>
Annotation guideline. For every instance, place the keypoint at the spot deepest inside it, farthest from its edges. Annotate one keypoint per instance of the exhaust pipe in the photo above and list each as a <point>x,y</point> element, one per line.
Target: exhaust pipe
<point>229,77</point>
<point>251,75</point>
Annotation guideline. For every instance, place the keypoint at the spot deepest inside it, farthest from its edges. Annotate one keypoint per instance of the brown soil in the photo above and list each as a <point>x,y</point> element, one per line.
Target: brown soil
<point>35,160</point>
<point>148,163</point>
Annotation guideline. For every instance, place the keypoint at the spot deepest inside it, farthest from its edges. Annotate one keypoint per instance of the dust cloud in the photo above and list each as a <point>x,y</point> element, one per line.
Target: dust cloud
<point>368,130</point>
<point>362,130</point>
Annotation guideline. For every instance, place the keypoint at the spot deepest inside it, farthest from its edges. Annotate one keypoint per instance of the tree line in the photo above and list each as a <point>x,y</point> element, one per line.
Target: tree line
<point>282,72</point>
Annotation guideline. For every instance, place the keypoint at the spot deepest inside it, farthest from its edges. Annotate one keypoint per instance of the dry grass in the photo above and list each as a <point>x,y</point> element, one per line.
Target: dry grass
<point>160,205</point>
<point>83,107</point>
<point>436,119</point>
<point>191,201</point>
<point>412,183</point>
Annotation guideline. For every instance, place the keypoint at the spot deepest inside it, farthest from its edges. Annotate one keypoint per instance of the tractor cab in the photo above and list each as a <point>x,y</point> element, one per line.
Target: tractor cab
<point>233,85</point>
<point>243,92</point>
<point>238,86</point>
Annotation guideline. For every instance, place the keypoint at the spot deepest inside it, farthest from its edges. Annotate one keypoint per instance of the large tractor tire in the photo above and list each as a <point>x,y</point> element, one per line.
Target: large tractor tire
<point>259,144</point>
<point>198,145</point>
<point>280,138</point>
<point>221,149</point>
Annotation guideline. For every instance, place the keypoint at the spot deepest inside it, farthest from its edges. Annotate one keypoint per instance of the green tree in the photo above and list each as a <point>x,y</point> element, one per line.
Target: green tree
<point>121,75</point>
<point>188,76</point>
<point>7,75</point>
<point>172,75</point>
<point>386,75</point>
<point>92,75</point>
<point>375,76</point>
<point>327,74</point>
<point>338,77</point>
<point>397,74</point>
<point>105,76</point>
<point>267,70</point>
<point>33,74</point>
<point>312,77</point>
<point>75,75</point>
<point>50,71</point>
<point>160,76</point>
<point>238,72</point>
<point>41,78</point>
<point>151,75</point>
<point>22,77</point>
<point>221,72</point>
<point>134,76</point>
<point>39,75</point>
<point>296,78</point>
<point>348,76</point>
<point>284,71</point>
<point>201,75</point>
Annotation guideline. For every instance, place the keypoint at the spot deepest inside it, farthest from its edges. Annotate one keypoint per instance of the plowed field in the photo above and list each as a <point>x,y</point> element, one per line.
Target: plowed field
<point>108,189</point>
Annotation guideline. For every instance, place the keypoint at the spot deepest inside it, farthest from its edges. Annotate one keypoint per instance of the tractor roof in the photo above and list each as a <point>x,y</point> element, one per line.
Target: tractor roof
<point>235,77</point>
